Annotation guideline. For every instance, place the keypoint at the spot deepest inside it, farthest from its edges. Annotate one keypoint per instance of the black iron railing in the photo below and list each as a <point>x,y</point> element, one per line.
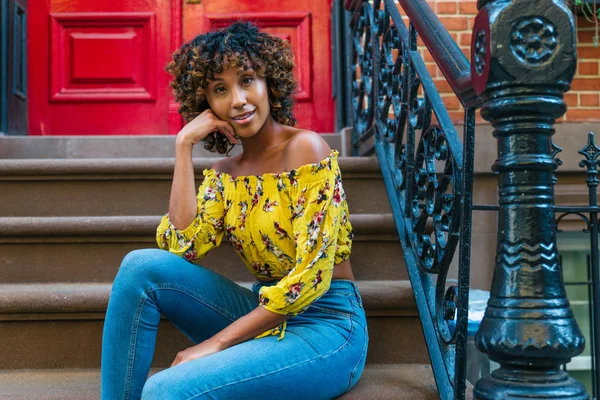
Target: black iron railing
<point>589,215</point>
<point>522,61</point>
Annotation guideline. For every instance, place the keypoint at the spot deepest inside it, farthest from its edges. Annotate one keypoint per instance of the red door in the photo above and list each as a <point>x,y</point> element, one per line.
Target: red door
<point>305,23</point>
<point>97,67</point>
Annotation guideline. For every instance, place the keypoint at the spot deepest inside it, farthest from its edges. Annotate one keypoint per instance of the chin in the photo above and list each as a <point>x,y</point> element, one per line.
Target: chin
<point>250,130</point>
<point>246,133</point>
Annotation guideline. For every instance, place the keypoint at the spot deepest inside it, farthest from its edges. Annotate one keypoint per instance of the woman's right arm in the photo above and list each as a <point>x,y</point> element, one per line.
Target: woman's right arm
<point>182,202</point>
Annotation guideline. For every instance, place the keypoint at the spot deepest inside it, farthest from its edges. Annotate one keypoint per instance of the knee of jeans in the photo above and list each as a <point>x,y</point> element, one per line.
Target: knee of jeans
<point>141,265</point>
<point>155,389</point>
<point>166,384</point>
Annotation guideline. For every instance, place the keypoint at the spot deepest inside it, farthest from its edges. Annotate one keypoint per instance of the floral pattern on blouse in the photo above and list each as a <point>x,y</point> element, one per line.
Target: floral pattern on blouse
<point>293,226</point>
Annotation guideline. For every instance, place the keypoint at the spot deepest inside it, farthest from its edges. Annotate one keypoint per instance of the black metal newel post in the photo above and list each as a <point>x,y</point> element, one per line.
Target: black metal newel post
<point>523,60</point>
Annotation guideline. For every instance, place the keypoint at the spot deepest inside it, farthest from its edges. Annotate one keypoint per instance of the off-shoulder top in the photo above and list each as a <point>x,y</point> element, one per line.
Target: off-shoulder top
<point>293,226</point>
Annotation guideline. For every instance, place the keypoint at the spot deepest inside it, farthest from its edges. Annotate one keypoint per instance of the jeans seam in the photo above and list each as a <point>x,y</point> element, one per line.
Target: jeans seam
<point>192,295</point>
<point>281,369</point>
<point>132,345</point>
<point>328,311</point>
<point>136,322</point>
<point>353,372</point>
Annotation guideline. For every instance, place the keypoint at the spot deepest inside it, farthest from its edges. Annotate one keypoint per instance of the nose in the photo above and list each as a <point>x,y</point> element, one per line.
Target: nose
<point>239,98</point>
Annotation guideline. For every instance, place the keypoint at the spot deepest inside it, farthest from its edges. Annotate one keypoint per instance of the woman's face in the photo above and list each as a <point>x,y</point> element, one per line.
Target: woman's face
<point>240,98</point>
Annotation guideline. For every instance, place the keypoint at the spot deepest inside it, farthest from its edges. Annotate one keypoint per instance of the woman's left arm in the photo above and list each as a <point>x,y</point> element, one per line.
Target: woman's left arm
<point>249,326</point>
<point>241,330</point>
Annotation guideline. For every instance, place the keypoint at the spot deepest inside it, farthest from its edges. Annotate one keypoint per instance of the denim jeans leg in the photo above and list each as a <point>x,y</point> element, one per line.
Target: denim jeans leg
<point>149,283</point>
<point>321,356</point>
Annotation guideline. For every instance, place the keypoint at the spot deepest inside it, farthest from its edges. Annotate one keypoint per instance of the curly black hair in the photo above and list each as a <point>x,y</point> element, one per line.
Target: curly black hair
<point>239,45</point>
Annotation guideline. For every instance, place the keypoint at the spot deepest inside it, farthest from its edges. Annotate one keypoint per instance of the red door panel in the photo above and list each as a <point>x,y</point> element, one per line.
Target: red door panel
<point>97,67</point>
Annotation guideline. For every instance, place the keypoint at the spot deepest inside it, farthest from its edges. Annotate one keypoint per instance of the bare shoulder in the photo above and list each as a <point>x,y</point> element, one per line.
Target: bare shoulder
<point>305,147</point>
<point>226,165</point>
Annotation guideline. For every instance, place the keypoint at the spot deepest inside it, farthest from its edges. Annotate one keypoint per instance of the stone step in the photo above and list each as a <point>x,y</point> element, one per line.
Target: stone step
<point>377,382</point>
<point>60,325</point>
<point>121,146</point>
<point>134,186</point>
<point>90,249</point>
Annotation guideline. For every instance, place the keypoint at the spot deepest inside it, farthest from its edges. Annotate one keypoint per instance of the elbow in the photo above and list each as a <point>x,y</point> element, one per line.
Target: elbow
<point>181,222</point>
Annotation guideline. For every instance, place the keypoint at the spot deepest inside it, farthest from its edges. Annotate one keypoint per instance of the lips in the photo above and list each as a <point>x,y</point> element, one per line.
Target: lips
<point>244,116</point>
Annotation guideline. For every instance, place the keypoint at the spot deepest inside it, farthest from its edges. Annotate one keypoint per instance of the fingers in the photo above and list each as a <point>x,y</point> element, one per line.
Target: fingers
<point>222,126</point>
<point>178,360</point>
<point>228,131</point>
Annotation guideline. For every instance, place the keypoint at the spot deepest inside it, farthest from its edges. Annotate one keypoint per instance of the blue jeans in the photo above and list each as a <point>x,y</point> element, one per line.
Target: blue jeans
<point>321,356</point>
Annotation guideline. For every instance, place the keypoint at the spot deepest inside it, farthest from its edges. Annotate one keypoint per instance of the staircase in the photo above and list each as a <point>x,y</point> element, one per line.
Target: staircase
<point>71,214</point>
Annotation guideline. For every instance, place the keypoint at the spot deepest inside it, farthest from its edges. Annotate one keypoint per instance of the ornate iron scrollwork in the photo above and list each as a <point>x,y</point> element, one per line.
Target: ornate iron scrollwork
<point>422,160</point>
<point>362,70</point>
<point>435,199</point>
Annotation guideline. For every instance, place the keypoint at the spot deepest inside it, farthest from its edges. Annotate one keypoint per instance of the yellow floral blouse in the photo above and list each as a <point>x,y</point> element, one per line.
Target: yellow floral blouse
<point>292,226</point>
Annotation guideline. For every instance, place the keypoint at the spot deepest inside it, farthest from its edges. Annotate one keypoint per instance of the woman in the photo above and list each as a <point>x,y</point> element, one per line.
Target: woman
<point>301,332</point>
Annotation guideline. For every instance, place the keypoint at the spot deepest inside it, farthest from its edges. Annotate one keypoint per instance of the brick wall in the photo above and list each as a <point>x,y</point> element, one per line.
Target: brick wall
<point>583,99</point>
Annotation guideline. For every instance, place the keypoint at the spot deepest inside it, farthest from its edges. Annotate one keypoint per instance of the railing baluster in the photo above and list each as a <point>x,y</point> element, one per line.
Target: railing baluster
<point>591,152</point>
<point>523,61</point>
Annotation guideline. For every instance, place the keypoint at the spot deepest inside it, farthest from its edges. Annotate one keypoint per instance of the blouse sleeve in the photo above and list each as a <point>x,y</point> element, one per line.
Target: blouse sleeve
<point>206,230</point>
<point>316,221</point>
<point>345,236</point>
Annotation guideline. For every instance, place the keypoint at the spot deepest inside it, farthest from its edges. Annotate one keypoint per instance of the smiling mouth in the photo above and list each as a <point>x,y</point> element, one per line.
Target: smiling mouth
<point>244,116</point>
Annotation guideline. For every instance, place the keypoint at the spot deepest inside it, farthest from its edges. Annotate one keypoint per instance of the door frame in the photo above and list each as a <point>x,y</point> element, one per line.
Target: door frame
<point>3,66</point>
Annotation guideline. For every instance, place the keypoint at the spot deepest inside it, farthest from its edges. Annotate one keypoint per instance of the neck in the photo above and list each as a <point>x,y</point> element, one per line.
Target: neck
<point>269,136</point>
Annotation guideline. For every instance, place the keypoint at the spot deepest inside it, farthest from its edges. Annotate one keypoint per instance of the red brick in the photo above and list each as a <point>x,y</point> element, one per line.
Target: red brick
<point>583,115</point>
<point>442,86</point>
<point>587,68</point>
<point>582,22</point>
<point>427,57</point>
<point>589,100</point>
<point>585,84</point>
<point>432,68</point>
<point>454,36</point>
<point>446,7</point>
<point>585,37</point>
<point>464,39</point>
<point>467,7</point>
<point>458,117</point>
<point>588,52</point>
<point>451,102</point>
<point>455,23</point>
<point>571,99</point>
<point>470,23</point>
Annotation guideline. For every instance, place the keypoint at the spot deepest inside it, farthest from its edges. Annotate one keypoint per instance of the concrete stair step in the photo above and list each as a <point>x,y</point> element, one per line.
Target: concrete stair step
<point>90,249</point>
<point>134,186</point>
<point>121,146</point>
<point>60,325</point>
<point>378,381</point>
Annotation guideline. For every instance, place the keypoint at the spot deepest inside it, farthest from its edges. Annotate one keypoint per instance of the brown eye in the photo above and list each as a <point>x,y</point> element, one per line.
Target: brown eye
<point>247,81</point>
